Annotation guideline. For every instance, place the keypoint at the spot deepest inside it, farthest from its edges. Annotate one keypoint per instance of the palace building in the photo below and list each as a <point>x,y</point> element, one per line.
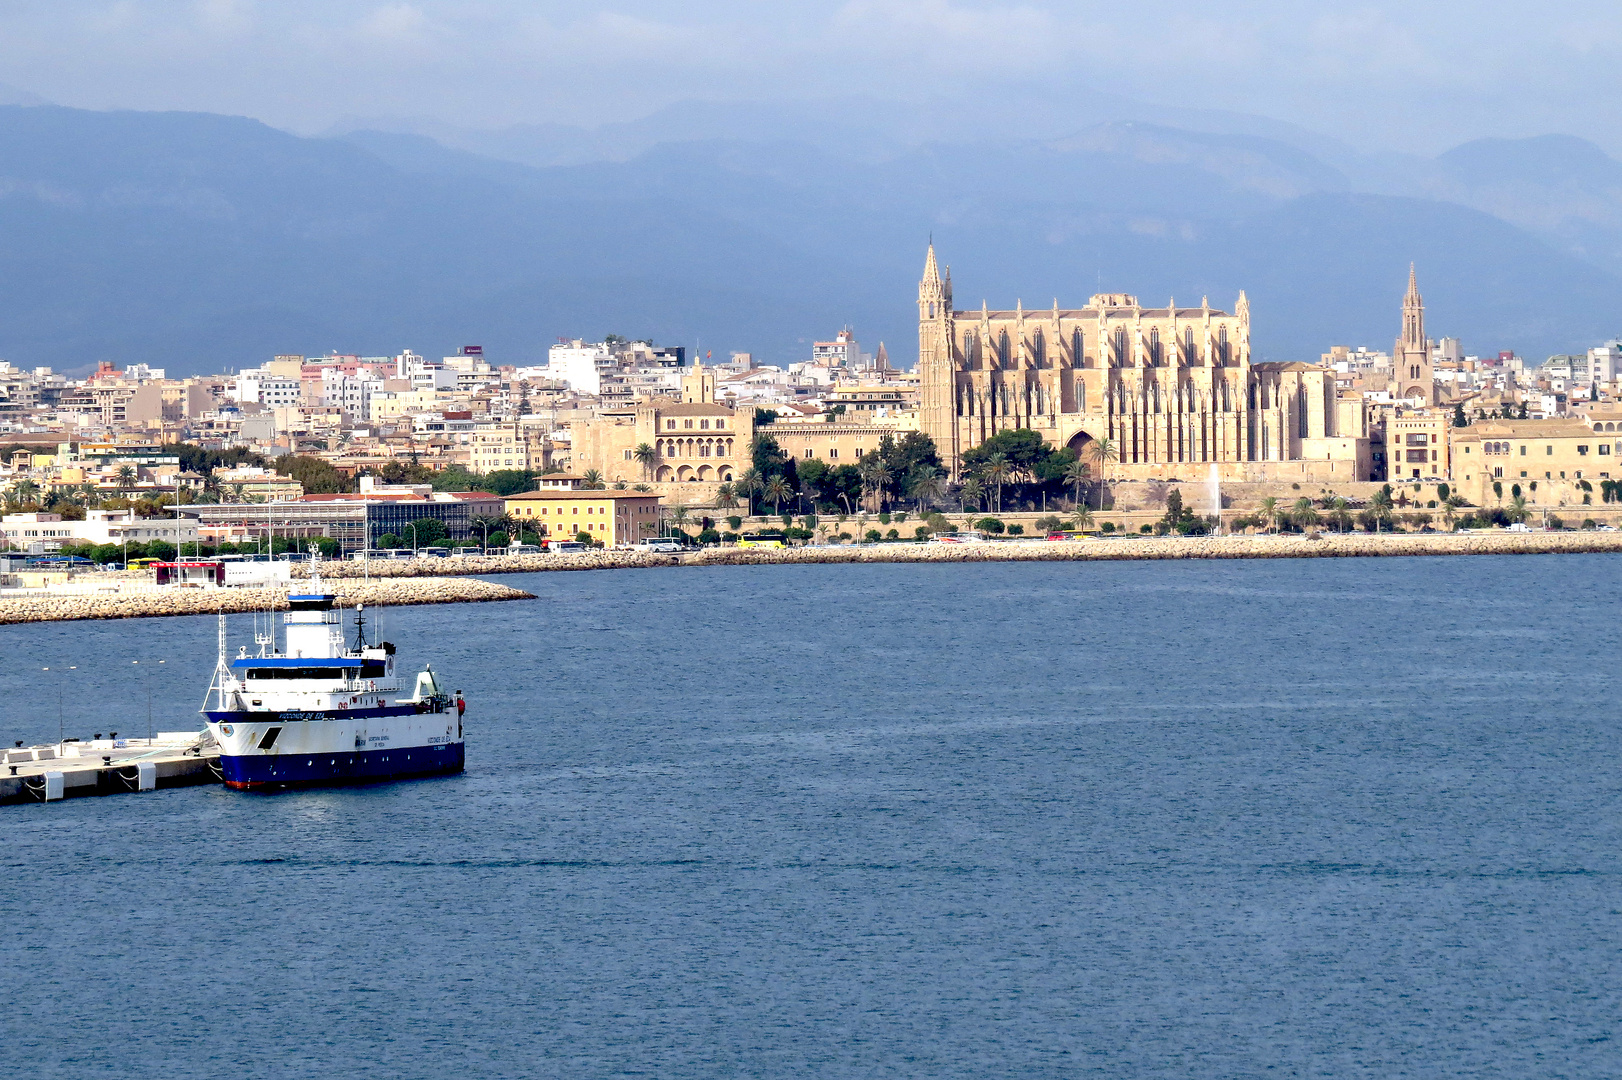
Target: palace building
<point>1174,388</point>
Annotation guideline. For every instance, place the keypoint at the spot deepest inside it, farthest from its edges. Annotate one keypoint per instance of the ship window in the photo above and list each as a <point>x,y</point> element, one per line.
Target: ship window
<point>269,738</point>
<point>372,669</point>
<point>295,673</point>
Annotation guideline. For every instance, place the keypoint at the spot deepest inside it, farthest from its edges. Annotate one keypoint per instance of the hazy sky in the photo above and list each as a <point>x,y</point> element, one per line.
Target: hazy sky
<point>1383,75</point>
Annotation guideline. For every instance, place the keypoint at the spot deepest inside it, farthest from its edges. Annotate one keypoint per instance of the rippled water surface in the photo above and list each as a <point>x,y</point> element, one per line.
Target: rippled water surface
<point>1294,818</point>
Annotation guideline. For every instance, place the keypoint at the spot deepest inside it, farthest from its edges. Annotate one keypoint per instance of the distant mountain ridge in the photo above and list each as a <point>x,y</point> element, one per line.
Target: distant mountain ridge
<point>202,242</point>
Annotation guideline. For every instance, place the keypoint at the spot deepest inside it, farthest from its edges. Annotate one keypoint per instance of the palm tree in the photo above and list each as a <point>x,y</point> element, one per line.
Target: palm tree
<point>1270,513</point>
<point>749,484</point>
<point>1450,508</point>
<point>972,491</point>
<point>1102,452</point>
<point>1303,514</point>
<point>591,480</point>
<point>126,478</point>
<point>1081,518</point>
<point>679,517</point>
<point>876,476</point>
<point>1076,474</point>
<point>1517,509</point>
<point>776,490</point>
<point>997,473</point>
<point>926,485</point>
<point>725,497</point>
<point>645,456</point>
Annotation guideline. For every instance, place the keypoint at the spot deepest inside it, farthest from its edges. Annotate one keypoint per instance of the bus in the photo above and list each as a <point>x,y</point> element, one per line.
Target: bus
<point>141,564</point>
<point>763,540</point>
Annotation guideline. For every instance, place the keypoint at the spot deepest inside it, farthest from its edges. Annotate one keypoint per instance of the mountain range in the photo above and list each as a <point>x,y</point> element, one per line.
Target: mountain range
<point>201,242</point>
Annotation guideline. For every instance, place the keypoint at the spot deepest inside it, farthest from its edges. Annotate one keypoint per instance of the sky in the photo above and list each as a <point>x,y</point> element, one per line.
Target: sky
<point>1413,77</point>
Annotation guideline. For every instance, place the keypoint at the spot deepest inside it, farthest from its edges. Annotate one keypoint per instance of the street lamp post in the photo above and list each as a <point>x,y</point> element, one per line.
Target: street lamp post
<point>61,723</point>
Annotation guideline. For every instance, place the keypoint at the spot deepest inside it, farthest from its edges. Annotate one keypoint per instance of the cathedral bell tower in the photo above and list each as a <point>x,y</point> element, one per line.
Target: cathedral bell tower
<point>936,366</point>
<point>1411,358</point>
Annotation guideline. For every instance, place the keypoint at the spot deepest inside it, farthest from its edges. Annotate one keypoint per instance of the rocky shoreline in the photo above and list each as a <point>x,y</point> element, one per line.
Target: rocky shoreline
<point>1326,545</point>
<point>183,601</point>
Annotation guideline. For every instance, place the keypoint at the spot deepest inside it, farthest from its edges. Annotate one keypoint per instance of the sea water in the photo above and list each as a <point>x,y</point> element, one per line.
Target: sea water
<point>1350,818</point>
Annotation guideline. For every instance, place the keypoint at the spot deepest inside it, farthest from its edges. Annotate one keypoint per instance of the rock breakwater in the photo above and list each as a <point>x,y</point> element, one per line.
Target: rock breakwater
<point>44,607</point>
<point>1325,546</point>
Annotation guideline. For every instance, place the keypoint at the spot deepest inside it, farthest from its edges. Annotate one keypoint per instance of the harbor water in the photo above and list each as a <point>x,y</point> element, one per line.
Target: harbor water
<point>1350,818</point>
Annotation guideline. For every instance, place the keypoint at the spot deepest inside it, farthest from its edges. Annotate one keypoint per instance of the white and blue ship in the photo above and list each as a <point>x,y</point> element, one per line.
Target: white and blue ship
<point>320,711</point>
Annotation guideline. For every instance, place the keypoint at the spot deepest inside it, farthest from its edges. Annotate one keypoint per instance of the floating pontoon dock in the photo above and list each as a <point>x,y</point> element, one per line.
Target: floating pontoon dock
<point>110,766</point>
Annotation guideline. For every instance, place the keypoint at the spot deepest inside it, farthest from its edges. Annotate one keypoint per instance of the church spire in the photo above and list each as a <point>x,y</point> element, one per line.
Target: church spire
<point>1413,313</point>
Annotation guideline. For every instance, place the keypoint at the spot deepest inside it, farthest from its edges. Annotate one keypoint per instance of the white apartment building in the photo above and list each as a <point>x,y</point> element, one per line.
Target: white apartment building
<point>581,365</point>
<point>48,532</point>
<point>264,388</point>
<point>1605,362</point>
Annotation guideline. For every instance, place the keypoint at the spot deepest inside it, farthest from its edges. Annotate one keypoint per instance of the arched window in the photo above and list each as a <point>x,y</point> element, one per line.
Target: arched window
<point>1222,344</point>
<point>1039,349</point>
<point>1081,395</point>
<point>1120,346</point>
<point>1188,345</point>
<point>1002,349</point>
<point>1078,348</point>
<point>1154,345</point>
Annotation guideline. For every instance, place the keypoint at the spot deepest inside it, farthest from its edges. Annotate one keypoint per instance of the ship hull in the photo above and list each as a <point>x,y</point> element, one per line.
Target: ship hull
<point>275,772</point>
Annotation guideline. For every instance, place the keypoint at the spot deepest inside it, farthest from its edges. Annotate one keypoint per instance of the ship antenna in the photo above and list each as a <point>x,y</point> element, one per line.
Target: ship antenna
<point>360,627</point>
<point>315,568</point>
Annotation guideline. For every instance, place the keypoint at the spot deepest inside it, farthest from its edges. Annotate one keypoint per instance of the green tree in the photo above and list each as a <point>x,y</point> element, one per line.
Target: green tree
<point>749,484</point>
<point>506,482</point>
<point>971,492</point>
<point>1101,452</point>
<point>997,470</point>
<point>1076,474</point>
<point>925,485</point>
<point>1081,517</point>
<point>776,492</point>
<point>725,497</point>
<point>317,476</point>
<point>1459,419</point>
<point>591,480</point>
<point>645,456</point>
<point>1303,514</point>
<point>1269,512</point>
<point>126,478</point>
<point>876,477</point>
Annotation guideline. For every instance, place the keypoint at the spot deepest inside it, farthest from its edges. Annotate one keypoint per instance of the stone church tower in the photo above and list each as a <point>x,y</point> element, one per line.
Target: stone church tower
<point>1411,358</point>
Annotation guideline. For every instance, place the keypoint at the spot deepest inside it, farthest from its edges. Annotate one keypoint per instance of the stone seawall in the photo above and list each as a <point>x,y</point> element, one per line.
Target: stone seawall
<point>145,604</point>
<point>1328,545</point>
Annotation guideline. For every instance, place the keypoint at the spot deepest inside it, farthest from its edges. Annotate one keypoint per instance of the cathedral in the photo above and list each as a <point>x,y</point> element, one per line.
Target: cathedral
<point>1174,388</point>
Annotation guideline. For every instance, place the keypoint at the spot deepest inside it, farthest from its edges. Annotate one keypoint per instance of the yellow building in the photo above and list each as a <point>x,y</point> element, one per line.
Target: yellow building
<point>1549,460</point>
<point>1417,445</point>
<point>615,518</point>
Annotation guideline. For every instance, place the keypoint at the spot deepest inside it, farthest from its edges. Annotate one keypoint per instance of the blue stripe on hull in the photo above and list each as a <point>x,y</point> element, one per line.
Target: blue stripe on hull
<point>273,716</point>
<point>272,771</point>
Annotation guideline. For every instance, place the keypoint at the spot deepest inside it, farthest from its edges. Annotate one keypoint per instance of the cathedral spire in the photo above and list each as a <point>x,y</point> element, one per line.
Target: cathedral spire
<point>1413,313</point>
<point>932,274</point>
